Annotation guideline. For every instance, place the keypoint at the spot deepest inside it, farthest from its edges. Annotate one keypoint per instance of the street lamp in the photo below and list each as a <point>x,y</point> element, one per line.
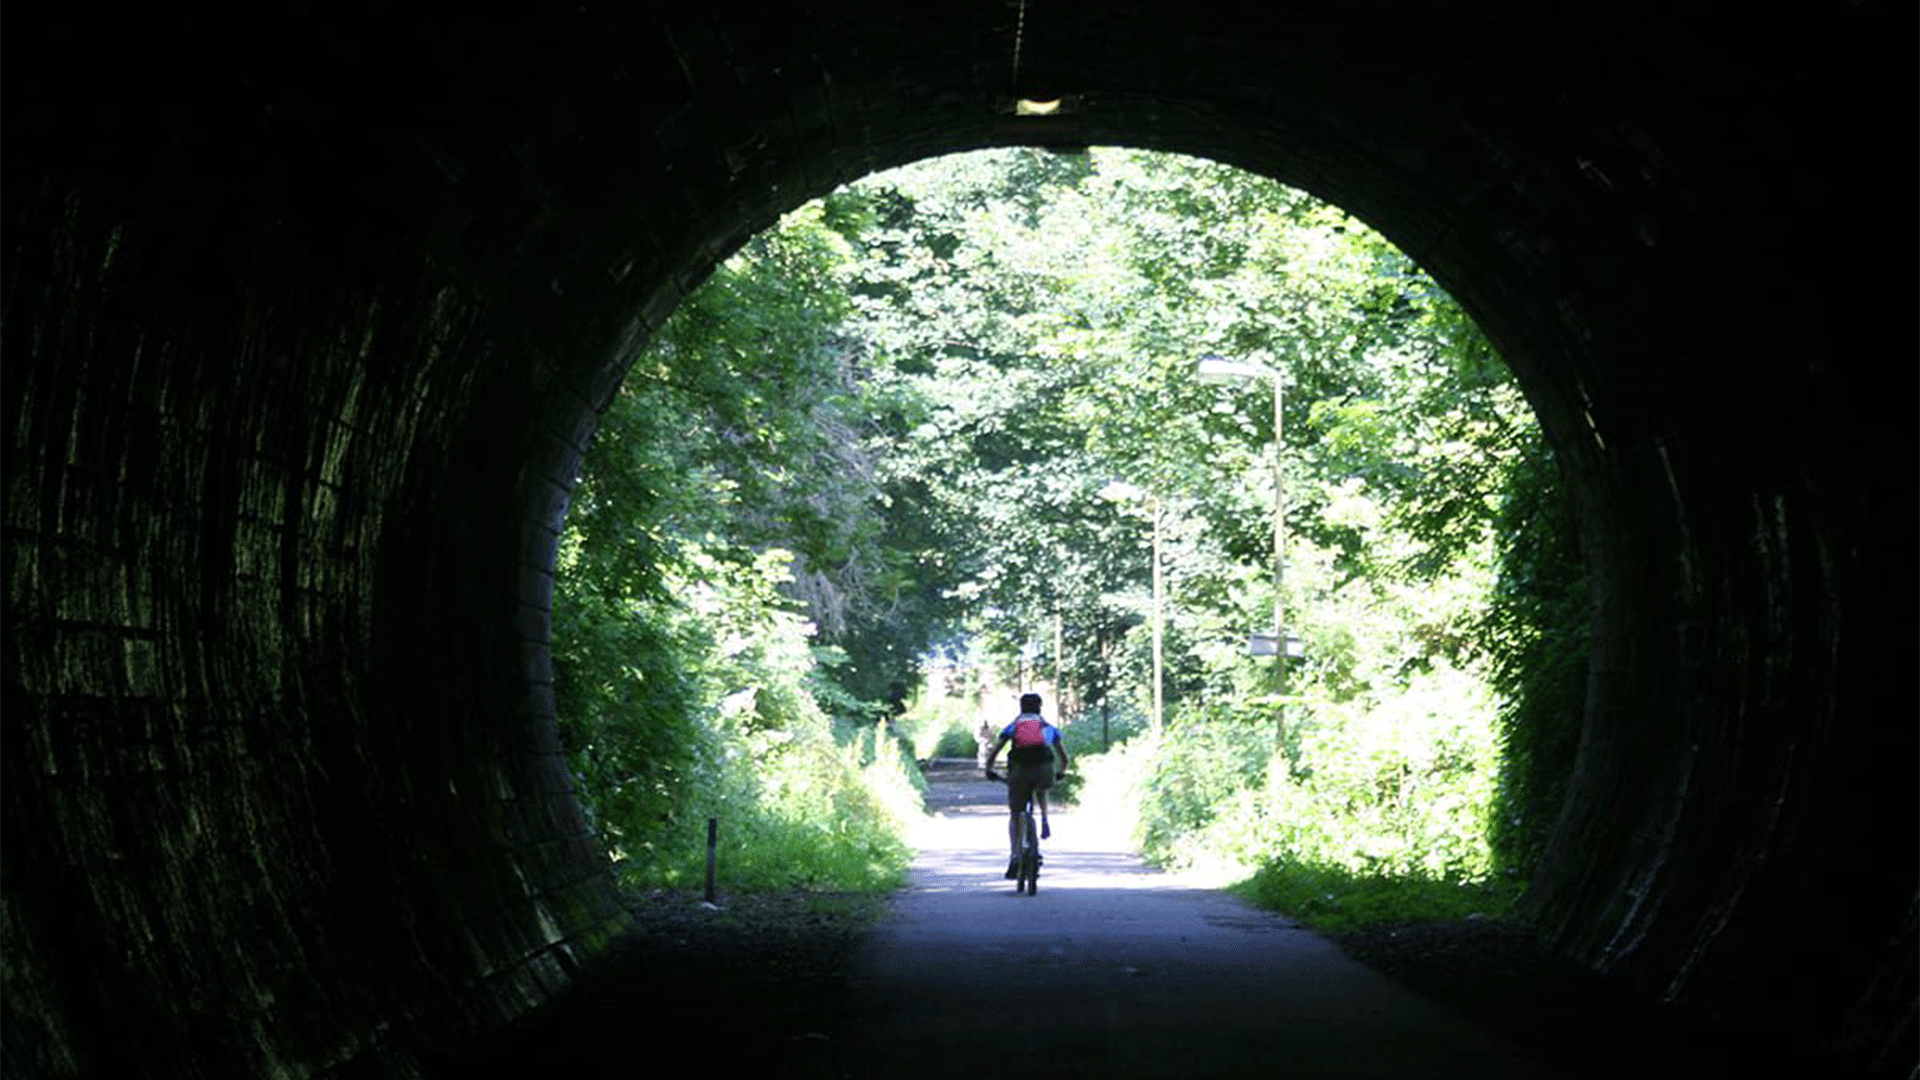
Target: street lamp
<point>1282,645</point>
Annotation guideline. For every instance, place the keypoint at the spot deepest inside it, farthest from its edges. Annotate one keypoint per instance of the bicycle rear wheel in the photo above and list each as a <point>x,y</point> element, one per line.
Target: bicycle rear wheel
<point>1029,881</point>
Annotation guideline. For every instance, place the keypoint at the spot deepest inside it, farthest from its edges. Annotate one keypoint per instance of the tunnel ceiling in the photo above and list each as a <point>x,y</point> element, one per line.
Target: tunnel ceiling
<point>309,313</point>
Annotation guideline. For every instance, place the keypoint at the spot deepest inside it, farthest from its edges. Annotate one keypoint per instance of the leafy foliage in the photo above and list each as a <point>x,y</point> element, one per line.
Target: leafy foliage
<point>952,410</point>
<point>1052,345</point>
<point>722,499</point>
<point>1535,635</point>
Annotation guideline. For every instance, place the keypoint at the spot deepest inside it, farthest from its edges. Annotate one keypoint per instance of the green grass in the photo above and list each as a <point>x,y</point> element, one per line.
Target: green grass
<point>1334,899</point>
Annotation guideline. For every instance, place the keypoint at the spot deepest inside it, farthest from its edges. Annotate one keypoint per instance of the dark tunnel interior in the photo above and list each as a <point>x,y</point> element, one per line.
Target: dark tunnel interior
<point>309,312</point>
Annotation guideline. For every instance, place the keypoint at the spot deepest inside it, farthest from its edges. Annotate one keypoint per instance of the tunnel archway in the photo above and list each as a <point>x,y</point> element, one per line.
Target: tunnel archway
<point>304,339</point>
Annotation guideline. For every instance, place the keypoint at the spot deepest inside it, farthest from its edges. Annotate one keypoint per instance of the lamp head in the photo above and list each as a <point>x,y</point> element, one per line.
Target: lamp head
<point>1220,369</point>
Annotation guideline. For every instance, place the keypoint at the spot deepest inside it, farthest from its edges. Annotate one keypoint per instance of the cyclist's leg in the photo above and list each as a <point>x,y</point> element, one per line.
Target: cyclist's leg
<point>1019,790</point>
<point>1040,796</point>
<point>1013,840</point>
<point>1025,785</point>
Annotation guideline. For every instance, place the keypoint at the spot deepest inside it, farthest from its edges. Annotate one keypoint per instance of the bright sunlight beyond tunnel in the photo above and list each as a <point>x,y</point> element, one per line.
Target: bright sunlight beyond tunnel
<point>309,319</point>
<point>866,476</point>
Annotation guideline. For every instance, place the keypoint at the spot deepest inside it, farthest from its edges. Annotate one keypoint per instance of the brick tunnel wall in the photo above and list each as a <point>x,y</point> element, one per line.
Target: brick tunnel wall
<point>303,340</point>
<point>294,794</point>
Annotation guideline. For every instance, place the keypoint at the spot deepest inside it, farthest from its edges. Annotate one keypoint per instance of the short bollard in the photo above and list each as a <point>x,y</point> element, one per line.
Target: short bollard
<point>713,839</point>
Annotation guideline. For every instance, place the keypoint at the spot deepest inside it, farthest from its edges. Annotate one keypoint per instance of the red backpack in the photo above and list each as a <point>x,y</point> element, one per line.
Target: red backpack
<point>1029,740</point>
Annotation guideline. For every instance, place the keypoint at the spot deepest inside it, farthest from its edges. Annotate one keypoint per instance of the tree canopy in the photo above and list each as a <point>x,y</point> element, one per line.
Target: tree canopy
<point>953,408</point>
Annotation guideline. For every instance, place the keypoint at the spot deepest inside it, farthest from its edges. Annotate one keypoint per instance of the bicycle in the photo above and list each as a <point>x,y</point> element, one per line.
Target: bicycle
<point>1027,863</point>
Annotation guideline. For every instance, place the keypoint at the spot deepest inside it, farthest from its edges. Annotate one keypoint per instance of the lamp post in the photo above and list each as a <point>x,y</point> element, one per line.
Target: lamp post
<point>1220,369</point>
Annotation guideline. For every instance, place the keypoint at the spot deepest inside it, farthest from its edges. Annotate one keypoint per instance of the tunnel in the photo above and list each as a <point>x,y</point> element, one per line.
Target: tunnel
<point>309,312</point>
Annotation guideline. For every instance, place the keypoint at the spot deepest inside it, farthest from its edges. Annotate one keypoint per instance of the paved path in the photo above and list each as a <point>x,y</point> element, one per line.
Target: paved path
<point>1119,971</point>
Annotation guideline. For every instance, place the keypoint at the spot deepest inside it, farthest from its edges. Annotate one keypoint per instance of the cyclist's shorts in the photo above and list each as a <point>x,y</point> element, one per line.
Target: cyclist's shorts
<point>1023,780</point>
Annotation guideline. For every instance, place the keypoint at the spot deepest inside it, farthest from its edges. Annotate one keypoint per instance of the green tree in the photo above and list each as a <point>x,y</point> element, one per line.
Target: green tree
<point>887,427</point>
<point>1052,342</point>
<point>724,515</point>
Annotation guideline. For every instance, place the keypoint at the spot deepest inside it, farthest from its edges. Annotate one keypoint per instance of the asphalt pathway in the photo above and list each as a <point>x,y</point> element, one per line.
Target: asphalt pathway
<point>1116,970</point>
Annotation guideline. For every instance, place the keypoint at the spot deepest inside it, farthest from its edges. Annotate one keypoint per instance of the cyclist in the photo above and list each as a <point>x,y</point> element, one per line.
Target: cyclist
<point>1030,769</point>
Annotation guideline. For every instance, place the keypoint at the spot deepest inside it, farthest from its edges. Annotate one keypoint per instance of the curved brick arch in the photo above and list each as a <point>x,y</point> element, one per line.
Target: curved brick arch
<point>304,336</point>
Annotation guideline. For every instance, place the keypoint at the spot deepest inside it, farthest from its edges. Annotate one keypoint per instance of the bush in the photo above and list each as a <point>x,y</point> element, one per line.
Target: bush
<point>1376,808</point>
<point>794,813</point>
<point>802,803</point>
<point>1202,763</point>
<point>956,742</point>
<point>938,725</point>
